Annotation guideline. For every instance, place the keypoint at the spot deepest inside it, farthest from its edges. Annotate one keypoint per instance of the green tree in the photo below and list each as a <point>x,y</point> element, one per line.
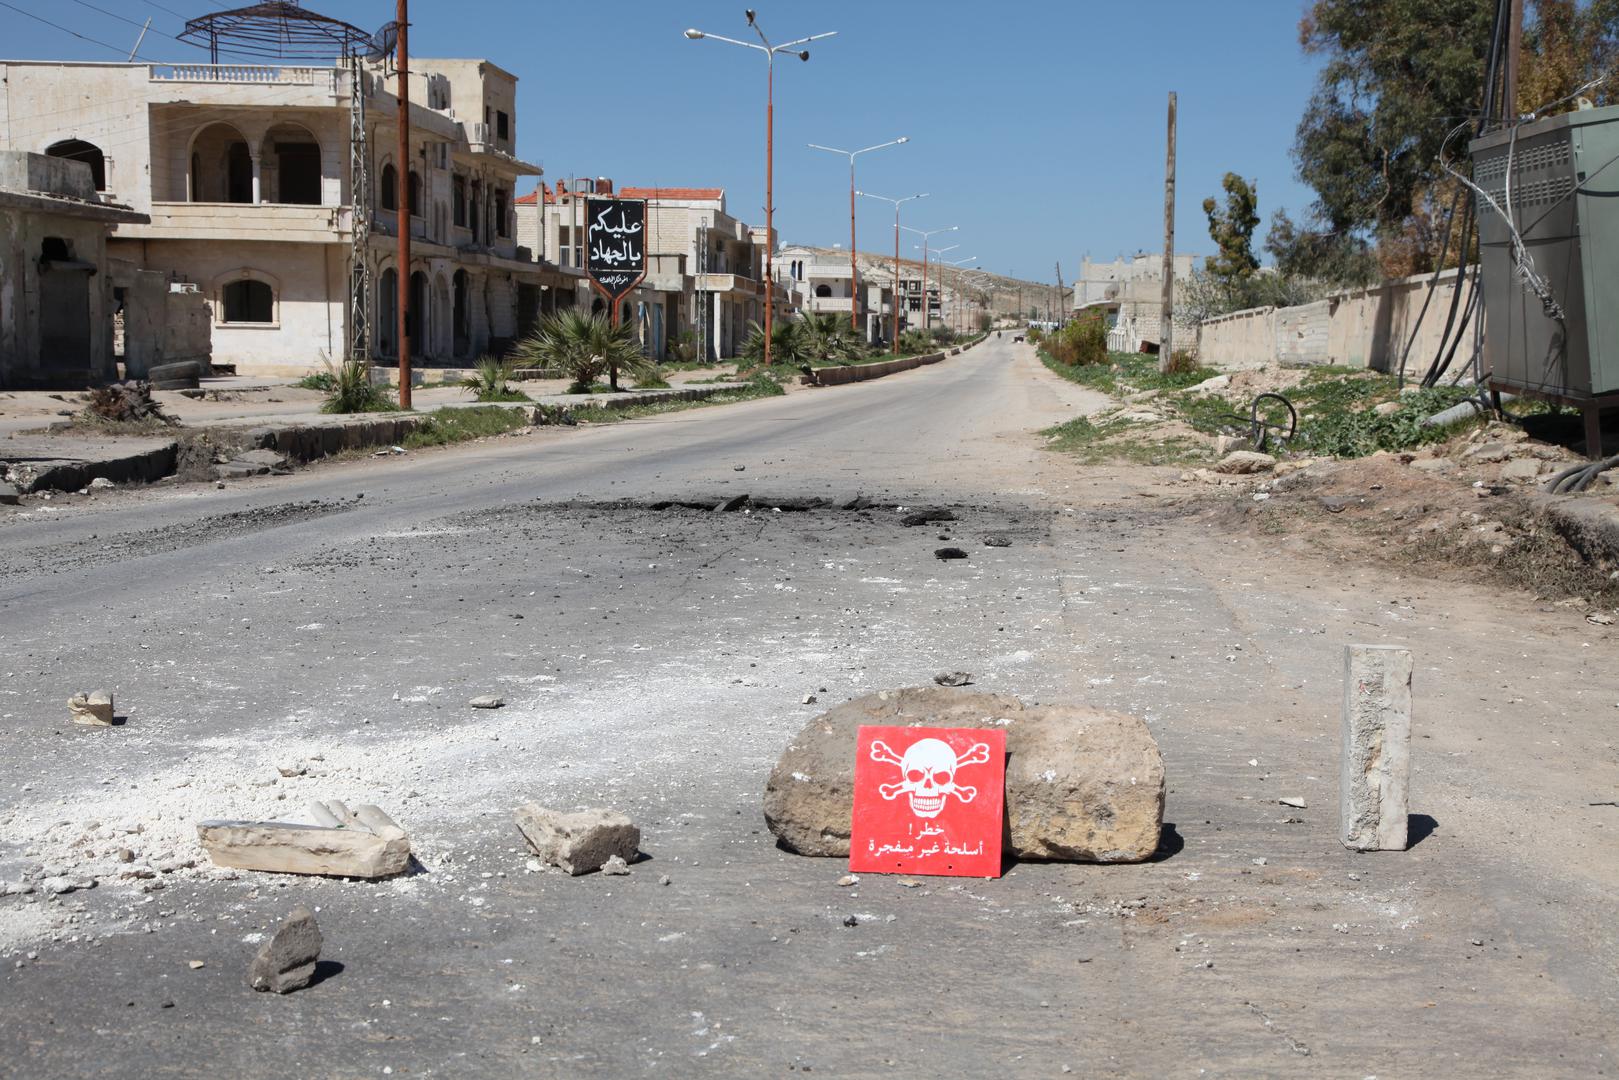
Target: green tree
<point>1232,231</point>
<point>1398,77</point>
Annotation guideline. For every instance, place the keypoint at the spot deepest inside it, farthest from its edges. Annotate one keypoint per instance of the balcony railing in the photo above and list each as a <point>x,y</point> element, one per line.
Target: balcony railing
<point>243,74</point>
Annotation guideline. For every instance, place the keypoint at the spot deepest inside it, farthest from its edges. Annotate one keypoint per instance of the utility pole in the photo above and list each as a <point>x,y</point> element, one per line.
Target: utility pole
<point>1509,107</point>
<point>1166,336</point>
<point>402,199</point>
<point>1061,311</point>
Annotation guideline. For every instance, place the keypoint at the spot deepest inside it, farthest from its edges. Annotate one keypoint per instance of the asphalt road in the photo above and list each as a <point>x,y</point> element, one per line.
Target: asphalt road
<point>337,622</point>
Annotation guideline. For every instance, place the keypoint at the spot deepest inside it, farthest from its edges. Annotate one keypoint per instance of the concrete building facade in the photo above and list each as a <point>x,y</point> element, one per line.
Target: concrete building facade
<point>246,175</point>
<point>56,297</point>
<point>1132,292</point>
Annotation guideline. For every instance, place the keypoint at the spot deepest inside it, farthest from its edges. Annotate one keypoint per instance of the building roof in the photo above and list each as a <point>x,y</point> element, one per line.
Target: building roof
<point>656,194</point>
<point>672,193</point>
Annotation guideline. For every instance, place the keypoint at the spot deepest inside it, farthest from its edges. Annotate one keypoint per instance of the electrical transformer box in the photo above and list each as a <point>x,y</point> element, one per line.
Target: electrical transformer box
<point>1564,202</point>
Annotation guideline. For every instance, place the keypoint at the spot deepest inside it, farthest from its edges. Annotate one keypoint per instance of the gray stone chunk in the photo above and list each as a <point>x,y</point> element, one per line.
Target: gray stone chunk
<point>578,842</point>
<point>1376,768</point>
<point>1520,470</point>
<point>94,709</point>
<point>287,961</point>
<point>9,495</point>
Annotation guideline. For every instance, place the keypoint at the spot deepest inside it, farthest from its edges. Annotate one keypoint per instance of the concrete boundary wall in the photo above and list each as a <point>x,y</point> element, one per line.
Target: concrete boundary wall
<point>1365,328</point>
<point>840,376</point>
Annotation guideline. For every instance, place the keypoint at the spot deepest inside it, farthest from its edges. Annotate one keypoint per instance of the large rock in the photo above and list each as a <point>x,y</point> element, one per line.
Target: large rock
<point>1241,462</point>
<point>1082,785</point>
<point>578,842</point>
<point>287,961</point>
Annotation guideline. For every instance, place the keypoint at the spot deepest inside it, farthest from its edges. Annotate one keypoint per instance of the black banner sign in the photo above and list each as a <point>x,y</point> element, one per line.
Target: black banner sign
<point>615,244</point>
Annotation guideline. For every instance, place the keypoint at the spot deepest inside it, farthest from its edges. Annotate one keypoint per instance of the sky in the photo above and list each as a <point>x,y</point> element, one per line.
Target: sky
<point>1036,128</point>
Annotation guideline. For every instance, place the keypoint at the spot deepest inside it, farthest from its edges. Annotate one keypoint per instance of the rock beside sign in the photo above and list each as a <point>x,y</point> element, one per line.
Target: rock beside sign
<point>1082,784</point>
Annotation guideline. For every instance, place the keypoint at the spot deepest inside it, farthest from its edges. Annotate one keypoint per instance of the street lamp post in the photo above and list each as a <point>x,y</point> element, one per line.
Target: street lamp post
<point>960,267</point>
<point>770,52</point>
<point>897,227</point>
<point>926,234</point>
<point>854,262</point>
<point>927,308</point>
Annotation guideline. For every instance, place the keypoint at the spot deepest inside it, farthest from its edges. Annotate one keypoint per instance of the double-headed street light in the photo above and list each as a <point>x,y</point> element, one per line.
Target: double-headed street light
<point>770,52</point>
<point>897,227</point>
<point>926,234</point>
<point>854,264</point>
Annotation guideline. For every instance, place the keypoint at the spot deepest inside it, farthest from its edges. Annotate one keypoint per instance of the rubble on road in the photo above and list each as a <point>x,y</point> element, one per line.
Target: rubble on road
<point>926,517</point>
<point>953,678</point>
<point>93,709</point>
<point>365,843</point>
<point>615,866</point>
<point>1082,785</point>
<point>487,701</point>
<point>287,961</point>
<point>578,842</point>
<point>949,553</point>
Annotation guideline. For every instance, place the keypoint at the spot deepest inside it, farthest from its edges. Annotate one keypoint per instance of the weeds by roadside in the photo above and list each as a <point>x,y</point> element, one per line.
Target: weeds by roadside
<point>442,427</point>
<point>1138,371</point>
<point>1093,442</point>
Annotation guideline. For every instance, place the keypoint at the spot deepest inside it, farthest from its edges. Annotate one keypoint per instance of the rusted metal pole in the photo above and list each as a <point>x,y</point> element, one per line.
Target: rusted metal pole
<point>1166,335</point>
<point>402,214</point>
<point>854,263</point>
<point>896,305</point>
<point>770,200</point>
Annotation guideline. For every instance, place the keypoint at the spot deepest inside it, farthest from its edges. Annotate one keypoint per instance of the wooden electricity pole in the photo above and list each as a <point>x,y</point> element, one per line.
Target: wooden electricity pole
<point>1509,104</point>
<point>402,198</point>
<point>1166,334</point>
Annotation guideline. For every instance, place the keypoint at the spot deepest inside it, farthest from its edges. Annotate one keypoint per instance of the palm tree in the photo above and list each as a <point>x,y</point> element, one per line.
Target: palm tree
<point>829,338</point>
<point>788,343</point>
<point>585,346</point>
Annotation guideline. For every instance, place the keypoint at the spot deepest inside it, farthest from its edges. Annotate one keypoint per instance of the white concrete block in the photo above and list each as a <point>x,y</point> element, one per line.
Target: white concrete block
<point>1376,768</point>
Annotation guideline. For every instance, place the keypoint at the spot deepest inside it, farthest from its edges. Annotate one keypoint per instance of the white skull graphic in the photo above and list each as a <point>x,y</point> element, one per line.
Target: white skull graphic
<point>928,773</point>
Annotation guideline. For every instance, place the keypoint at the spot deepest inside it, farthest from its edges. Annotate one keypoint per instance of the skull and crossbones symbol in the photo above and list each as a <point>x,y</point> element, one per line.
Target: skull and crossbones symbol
<point>928,773</point>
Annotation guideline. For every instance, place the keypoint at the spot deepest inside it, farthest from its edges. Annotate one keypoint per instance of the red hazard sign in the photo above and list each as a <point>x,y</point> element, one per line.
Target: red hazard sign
<point>928,801</point>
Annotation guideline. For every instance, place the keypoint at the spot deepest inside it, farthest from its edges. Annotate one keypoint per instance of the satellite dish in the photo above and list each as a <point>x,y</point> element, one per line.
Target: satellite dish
<point>383,43</point>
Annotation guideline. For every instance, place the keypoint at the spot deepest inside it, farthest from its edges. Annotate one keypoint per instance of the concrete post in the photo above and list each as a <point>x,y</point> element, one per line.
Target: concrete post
<point>1376,768</point>
<point>258,179</point>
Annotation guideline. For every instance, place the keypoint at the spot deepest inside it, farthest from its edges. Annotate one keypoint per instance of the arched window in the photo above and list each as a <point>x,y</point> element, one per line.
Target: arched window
<point>89,153</point>
<point>823,291</point>
<point>415,194</point>
<point>388,196</point>
<point>249,301</point>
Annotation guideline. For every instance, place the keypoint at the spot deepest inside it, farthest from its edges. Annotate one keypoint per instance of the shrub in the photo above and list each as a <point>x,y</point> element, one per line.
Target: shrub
<point>1181,361</point>
<point>490,381</point>
<point>352,390</point>
<point>323,381</point>
<point>1080,342</point>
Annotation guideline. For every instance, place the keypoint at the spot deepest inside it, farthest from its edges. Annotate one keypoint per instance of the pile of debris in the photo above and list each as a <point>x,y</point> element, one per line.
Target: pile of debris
<point>126,403</point>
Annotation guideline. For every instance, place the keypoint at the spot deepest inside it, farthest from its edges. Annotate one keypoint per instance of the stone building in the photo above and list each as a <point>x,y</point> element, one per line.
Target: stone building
<point>704,267</point>
<point>56,298</point>
<point>1131,291</point>
<point>247,176</point>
